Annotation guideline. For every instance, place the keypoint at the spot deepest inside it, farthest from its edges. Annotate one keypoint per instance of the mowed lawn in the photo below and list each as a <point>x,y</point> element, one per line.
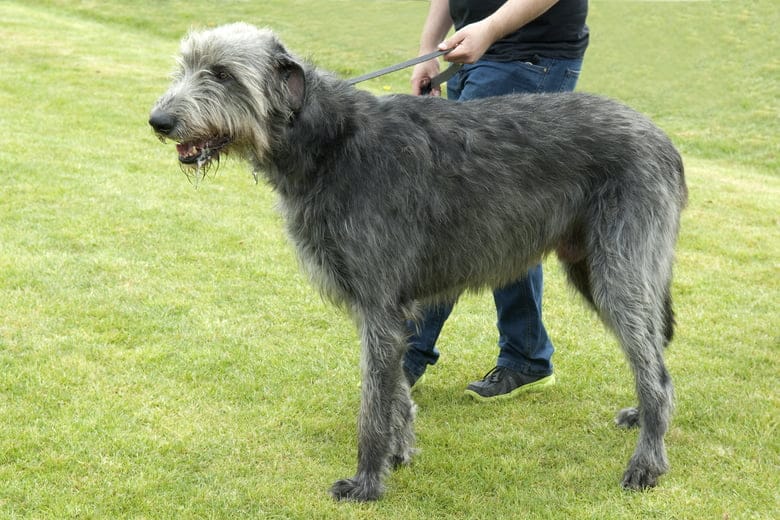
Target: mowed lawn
<point>162,356</point>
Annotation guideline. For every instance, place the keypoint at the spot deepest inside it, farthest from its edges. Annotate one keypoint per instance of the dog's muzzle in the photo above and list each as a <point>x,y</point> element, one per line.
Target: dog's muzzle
<point>196,152</point>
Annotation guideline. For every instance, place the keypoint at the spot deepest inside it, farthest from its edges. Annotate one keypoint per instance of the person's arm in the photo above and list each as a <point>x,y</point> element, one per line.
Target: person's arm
<point>437,24</point>
<point>471,42</point>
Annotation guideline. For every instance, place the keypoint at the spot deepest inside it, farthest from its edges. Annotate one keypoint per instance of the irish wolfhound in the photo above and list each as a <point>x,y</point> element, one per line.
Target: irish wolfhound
<point>400,200</point>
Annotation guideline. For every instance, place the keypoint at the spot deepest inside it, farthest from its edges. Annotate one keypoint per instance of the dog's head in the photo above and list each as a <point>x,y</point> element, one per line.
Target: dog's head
<point>234,84</point>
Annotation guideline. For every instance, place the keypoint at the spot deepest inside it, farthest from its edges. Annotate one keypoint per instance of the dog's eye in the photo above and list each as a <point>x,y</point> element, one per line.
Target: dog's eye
<point>222,75</point>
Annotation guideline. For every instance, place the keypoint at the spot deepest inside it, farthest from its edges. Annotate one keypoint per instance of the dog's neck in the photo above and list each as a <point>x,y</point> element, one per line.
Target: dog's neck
<point>305,145</point>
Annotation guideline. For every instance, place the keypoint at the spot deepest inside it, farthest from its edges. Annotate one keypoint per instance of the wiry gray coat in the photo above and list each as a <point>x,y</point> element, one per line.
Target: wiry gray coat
<point>399,200</point>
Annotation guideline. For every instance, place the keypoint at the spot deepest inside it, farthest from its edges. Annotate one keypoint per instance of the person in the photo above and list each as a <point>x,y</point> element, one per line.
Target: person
<point>506,46</point>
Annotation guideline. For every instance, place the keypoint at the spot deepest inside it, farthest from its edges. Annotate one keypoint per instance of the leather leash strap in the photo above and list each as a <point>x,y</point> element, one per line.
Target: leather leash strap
<point>435,81</point>
<point>440,78</point>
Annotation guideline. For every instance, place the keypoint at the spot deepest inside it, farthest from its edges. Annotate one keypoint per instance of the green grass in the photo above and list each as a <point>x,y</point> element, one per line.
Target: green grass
<point>161,356</point>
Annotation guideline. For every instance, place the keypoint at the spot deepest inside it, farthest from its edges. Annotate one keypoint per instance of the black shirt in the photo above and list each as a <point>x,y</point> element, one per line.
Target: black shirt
<point>560,32</point>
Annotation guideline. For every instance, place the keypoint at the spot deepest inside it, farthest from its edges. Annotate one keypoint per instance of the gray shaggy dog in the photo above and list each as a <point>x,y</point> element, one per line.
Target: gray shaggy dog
<point>398,201</point>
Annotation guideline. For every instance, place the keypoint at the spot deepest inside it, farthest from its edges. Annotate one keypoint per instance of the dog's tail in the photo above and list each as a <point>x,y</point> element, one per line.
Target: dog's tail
<point>669,321</point>
<point>680,169</point>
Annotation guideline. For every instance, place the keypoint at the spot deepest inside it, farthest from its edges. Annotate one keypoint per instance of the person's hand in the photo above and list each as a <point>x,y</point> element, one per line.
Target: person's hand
<point>421,77</point>
<point>470,43</point>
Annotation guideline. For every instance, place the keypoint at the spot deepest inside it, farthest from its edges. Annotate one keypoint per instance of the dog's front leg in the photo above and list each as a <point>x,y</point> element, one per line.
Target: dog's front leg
<point>386,410</point>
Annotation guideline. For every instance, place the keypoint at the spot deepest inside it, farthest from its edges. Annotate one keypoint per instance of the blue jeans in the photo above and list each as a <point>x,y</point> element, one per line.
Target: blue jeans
<point>523,342</point>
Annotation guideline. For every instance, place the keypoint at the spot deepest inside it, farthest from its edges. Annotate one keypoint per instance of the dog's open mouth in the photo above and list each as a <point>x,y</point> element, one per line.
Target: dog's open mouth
<point>199,153</point>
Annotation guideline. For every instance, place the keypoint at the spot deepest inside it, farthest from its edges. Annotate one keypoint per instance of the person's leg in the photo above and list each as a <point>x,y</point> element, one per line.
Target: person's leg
<point>424,333</point>
<point>422,349</point>
<point>523,341</point>
<point>525,350</point>
<point>516,312</point>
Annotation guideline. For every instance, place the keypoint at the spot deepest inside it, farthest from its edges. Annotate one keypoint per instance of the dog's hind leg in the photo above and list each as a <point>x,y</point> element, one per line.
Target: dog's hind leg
<point>625,311</point>
<point>385,434</point>
<point>629,417</point>
<point>630,268</point>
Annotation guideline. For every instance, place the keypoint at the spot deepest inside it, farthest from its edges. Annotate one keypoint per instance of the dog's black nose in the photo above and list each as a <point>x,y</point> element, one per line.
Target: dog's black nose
<point>162,122</point>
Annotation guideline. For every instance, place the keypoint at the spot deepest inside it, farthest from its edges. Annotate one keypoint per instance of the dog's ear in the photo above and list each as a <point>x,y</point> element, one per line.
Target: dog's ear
<point>292,76</point>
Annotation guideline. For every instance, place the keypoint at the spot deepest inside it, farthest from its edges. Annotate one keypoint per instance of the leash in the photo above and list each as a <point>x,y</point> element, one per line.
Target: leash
<point>435,81</point>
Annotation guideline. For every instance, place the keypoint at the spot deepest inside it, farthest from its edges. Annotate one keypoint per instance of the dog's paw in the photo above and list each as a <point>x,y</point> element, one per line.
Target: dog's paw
<point>637,478</point>
<point>396,461</point>
<point>356,489</point>
<point>404,458</point>
<point>643,471</point>
<point>627,418</point>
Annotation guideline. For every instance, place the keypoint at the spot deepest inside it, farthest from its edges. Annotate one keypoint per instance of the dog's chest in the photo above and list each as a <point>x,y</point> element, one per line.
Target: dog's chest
<point>312,235</point>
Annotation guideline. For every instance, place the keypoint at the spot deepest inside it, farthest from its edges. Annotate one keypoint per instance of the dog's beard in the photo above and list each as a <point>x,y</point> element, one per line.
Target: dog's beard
<point>198,170</point>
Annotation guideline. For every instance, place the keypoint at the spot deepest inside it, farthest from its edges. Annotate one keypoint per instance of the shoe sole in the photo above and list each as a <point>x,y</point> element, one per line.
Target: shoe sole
<point>525,389</point>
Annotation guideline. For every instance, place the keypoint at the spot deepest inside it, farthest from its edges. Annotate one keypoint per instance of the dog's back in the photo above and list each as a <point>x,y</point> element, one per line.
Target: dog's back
<point>427,174</point>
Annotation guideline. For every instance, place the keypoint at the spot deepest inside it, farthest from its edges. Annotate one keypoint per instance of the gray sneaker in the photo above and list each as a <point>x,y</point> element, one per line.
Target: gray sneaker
<point>504,383</point>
